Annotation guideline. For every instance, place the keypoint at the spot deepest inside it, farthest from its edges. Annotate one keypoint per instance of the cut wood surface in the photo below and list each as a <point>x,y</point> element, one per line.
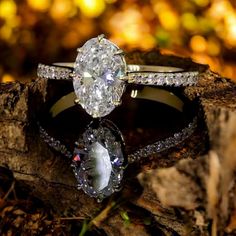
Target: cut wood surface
<point>188,190</point>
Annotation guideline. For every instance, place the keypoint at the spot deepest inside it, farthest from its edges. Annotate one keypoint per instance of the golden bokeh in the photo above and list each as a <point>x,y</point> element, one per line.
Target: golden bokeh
<point>91,8</point>
<point>48,30</point>
<point>7,9</point>
<point>62,9</point>
<point>39,5</point>
<point>7,78</point>
<point>198,43</point>
<point>189,21</point>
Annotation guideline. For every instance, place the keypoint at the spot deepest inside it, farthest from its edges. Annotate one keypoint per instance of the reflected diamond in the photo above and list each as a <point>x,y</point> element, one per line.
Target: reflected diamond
<point>99,168</point>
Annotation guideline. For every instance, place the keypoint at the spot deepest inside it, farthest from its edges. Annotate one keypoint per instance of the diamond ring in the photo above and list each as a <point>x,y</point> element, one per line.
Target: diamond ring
<point>100,75</point>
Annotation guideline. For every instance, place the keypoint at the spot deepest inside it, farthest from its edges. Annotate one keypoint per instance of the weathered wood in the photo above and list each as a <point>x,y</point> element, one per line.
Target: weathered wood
<point>204,187</point>
<point>183,198</point>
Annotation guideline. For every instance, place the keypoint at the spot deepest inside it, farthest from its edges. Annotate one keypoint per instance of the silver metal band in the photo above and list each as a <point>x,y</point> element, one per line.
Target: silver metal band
<point>149,93</point>
<point>136,74</point>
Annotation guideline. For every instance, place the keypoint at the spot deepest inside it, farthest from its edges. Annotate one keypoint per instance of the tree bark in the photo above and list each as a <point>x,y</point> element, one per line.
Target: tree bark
<point>186,196</point>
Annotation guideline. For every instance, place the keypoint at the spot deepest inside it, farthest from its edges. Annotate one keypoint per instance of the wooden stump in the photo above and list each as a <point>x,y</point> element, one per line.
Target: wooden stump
<point>193,196</point>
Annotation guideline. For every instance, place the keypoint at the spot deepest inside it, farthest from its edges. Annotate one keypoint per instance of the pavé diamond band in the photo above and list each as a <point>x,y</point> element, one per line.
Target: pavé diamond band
<point>100,75</point>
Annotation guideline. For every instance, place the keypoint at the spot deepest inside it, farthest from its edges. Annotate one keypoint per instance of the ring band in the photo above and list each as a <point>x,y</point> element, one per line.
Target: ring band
<point>100,75</point>
<point>136,74</point>
<point>149,93</point>
<point>98,160</point>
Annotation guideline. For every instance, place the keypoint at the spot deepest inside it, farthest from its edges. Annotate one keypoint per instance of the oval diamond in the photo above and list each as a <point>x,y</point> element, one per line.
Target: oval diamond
<point>98,71</point>
<point>99,162</point>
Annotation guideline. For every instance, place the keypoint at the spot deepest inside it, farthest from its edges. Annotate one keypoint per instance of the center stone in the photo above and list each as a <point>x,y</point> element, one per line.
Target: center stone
<point>98,71</point>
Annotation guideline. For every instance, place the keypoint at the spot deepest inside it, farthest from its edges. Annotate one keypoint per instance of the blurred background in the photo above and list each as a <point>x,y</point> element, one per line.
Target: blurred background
<point>33,31</point>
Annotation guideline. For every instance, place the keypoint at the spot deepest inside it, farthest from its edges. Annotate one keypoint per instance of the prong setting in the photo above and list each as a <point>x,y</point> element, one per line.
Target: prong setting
<point>119,52</point>
<point>77,101</point>
<point>101,37</point>
<point>130,80</point>
<point>117,103</point>
<point>95,115</point>
<point>72,75</point>
<point>124,78</point>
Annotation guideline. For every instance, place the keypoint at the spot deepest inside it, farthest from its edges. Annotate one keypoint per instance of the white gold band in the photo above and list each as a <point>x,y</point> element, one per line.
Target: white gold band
<point>148,93</point>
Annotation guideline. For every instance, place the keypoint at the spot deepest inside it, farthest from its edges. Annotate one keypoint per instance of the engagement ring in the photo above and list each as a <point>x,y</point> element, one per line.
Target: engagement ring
<point>100,75</point>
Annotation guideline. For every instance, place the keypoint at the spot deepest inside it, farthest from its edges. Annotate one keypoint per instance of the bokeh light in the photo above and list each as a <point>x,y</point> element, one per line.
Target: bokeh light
<point>8,9</point>
<point>33,31</point>
<point>91,8</point>
<point>198,43</point>
<point>39,5</point>
<point>7,78</point>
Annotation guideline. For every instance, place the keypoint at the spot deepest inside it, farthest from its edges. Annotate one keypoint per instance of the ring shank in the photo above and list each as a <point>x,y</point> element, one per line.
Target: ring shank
<point>135,74</point>
<point>148,93</point>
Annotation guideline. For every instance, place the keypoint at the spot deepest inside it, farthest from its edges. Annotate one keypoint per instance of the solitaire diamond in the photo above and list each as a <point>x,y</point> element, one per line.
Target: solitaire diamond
<point>98,71</point>
<point>99,162</point>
